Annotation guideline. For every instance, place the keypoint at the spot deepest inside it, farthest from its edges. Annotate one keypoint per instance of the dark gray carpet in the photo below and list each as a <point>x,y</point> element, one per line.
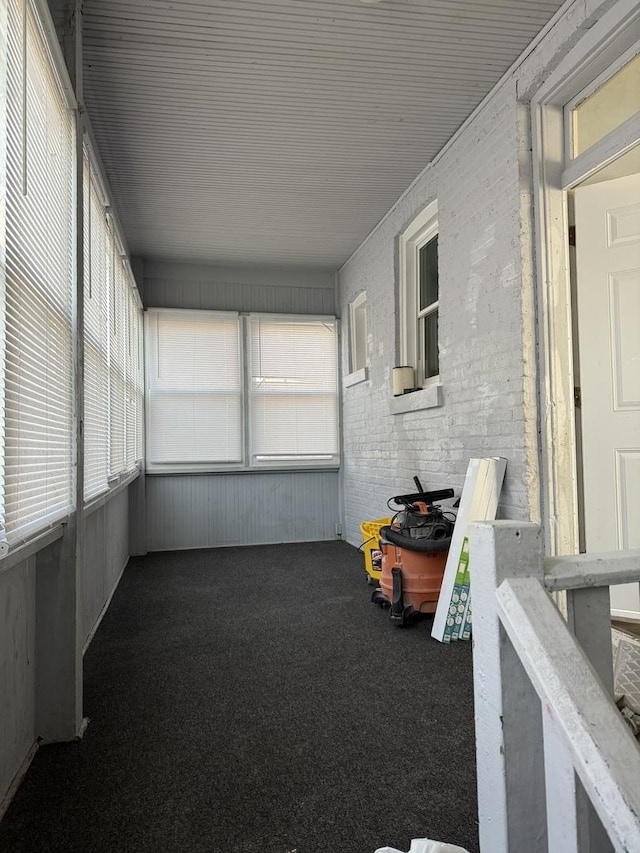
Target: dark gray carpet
<point>252,700</point>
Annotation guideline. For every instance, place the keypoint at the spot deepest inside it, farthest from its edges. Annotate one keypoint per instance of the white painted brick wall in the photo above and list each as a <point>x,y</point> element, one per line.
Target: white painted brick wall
<point>477,189</point>
<point>487,322</point>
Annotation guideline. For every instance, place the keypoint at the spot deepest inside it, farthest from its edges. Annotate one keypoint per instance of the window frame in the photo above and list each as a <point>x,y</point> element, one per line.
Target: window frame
<point>570,108</point>
<point>122,314</point>
<point>420,231</point>
<point>357,372</point>
<point>38,50</point>
<point>151,362</point>
<point>323,461</point>
<point>247,464</point>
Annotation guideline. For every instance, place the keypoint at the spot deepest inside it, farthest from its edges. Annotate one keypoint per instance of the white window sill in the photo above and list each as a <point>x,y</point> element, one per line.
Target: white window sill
<point>116,485</point>
<point>415,401</point>
<point>356,377</point>
<point>165,471</point>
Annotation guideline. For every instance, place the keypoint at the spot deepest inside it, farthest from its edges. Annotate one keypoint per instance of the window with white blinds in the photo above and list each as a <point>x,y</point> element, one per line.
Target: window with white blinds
<point>39,281</point>
<point>194,389</point>
<point>293,397</point>
<point>118,333</point>
<point>97,258</point>
<point>113,405</point>
<point>138,371</point>
<point>132,382</point>
<point>199,408</point>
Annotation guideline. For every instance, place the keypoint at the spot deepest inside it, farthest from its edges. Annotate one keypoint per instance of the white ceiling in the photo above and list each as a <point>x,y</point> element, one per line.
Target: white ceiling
<point>280,131</point>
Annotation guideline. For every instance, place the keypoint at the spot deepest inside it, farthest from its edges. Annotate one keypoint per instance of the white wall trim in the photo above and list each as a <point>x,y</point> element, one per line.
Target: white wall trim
<point>355,378</point>
<point>597,49</point>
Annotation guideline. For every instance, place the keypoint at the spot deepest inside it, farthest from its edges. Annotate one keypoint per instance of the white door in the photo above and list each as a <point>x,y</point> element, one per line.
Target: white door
<point>607,217</point>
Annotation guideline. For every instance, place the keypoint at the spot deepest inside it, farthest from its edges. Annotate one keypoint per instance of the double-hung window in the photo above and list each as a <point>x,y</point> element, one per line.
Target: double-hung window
<point>228,391</point>
<point>37,247</point>
<point>293,390</point>
<point>419,295</point>
<point>194,390</point>
<point>113,402</point>
<point>97,259</point>
<point>38,306</point>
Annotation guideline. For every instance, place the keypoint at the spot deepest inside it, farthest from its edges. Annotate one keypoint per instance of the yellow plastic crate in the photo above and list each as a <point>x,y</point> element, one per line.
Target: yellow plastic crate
<point>370,537</point>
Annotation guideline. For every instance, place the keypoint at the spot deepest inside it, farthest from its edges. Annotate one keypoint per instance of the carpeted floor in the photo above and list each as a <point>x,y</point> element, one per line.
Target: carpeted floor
<point>253,700</point>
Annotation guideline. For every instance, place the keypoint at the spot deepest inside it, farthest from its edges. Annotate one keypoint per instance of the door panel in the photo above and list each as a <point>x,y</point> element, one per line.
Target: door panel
<point>608,312</point>
<point>624,301</point>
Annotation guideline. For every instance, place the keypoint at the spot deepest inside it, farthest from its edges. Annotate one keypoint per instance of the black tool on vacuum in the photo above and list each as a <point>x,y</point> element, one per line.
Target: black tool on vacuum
<point>425,497</point>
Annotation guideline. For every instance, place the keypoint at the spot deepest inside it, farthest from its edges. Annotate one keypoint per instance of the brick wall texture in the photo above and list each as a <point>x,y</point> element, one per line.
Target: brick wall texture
<point>482,183</point>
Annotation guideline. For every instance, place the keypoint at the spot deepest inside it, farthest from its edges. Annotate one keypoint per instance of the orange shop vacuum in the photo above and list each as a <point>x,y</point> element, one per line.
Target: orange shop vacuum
<point>414,552</point>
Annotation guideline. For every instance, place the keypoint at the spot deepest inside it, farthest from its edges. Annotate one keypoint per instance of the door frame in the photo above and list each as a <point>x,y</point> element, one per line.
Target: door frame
<point>599,53</point>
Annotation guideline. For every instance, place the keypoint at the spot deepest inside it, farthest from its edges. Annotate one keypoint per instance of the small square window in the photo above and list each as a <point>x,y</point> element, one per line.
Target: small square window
<point>419,296</point>
<point>358,333</point>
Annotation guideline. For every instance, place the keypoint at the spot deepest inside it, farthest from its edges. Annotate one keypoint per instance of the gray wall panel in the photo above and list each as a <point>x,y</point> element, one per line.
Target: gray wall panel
<point>17,668</point>
<point>221,288</point>
<point>210,510</point>
<point>106,553</point>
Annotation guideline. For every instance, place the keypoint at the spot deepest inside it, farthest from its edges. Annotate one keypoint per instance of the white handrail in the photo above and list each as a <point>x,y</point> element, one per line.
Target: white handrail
<point>588,570</point>
<point>558,769</point>
<point>601,746</point>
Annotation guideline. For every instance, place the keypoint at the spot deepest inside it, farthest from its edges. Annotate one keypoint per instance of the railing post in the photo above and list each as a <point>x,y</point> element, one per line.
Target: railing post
<point>589,620</point>
<point>511,789</point>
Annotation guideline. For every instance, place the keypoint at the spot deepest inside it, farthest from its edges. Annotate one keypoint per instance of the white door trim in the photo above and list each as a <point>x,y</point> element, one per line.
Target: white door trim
<point>600,47</point>
<point>610,147</point>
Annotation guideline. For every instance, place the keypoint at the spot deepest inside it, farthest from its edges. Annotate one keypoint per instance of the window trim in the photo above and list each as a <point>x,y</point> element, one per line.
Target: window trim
<point>151,360</point>
<point>422,228</point>
<point>53,71</point>
<point>320,461</point>
<point>569,109</point>
<point>247,465</point>
<point>357,372</point>
<point>597,51</point>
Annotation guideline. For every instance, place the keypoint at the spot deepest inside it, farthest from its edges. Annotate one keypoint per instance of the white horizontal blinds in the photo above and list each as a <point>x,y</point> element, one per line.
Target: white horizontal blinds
<point>39,283</point>
<point>3,244</point>
<point>194,388</point>
<point>97,246</point>
<point>139,379</point>
<point>294,400</point>
<point>117,363</point>
<point>131,388</point>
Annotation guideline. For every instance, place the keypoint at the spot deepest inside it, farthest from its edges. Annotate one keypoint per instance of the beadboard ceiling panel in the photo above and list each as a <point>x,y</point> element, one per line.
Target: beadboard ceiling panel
<point>280,131</point>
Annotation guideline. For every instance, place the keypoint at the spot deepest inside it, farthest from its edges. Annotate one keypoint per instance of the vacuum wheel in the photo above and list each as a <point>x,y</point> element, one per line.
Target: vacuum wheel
<point>378,597</point>
<point>403,619</point>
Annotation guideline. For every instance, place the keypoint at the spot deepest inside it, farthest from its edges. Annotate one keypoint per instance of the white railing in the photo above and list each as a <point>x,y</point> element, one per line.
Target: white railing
<point>558,768</point>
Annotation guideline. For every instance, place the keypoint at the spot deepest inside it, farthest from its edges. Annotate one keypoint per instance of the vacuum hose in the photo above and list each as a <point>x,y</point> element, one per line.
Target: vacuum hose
<point>426,546</point>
